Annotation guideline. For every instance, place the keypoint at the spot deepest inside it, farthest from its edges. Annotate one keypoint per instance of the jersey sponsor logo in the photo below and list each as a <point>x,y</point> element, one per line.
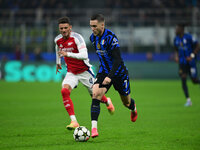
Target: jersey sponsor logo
<point>101,52</point>
<point>70,49</point>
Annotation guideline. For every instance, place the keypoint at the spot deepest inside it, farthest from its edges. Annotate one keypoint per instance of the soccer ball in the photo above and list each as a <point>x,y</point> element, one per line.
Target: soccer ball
<point>81,134</point>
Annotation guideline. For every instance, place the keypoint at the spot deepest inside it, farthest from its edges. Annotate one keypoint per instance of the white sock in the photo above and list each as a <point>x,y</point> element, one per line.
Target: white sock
<point>94,124</point>
<point>188,99</point>
<point>73,118</point>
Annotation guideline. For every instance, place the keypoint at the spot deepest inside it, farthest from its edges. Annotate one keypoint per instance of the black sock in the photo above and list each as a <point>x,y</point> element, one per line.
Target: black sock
<point>95,109</point>
<point>185,88</point>
<point>132,105</point>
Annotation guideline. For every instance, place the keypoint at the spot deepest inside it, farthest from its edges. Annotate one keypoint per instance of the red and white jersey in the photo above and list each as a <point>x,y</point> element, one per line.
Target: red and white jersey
<point>77,60</point>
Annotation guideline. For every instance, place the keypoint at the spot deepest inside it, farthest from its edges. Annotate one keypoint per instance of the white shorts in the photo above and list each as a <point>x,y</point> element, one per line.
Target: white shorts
<point>86,78</point>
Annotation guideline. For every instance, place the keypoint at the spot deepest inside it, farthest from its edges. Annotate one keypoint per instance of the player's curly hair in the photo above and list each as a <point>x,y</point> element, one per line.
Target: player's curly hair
<point>64,20</point>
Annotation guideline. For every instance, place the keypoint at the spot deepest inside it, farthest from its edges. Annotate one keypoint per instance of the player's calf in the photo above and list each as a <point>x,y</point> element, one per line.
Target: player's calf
<point>67,101</point>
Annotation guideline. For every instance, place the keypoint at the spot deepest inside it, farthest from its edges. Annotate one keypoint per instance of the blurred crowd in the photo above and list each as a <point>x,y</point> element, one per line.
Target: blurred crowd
<point>34,18</point>
<point>71,4</point>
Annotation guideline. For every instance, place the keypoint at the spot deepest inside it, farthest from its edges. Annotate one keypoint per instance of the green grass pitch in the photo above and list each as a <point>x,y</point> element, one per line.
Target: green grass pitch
<point>32,116</point>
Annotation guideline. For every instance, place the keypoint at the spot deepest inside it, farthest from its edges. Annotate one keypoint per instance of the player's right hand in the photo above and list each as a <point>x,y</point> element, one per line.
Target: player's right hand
<point>58,67</point>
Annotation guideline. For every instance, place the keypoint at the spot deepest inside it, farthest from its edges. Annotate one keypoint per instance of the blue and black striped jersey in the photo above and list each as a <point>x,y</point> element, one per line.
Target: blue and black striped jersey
<point>185,46</point>
<point>107,49</point>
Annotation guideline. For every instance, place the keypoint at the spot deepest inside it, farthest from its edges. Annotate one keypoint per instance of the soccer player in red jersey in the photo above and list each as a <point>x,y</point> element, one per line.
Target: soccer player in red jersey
<point>72,47</point>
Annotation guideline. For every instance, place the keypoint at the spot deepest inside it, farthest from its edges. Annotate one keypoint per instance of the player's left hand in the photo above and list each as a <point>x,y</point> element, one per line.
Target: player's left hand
<point>189,59</point>
<point>106,81</point>
<point>62,53</point>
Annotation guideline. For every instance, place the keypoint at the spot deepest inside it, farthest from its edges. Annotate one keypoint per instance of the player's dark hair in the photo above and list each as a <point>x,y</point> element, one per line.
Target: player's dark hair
<point>64,20</point>
<point>182,25</point>
<point>98,17</point>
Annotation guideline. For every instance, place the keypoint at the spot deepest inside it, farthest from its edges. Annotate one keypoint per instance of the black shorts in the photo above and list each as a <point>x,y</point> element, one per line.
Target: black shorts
<point>121,83</point>
<point>188,69</point>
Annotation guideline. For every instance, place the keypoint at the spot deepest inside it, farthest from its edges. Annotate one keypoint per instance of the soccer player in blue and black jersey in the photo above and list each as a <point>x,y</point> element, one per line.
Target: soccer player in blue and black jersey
<point>186,48</point>
<point>112,70</point>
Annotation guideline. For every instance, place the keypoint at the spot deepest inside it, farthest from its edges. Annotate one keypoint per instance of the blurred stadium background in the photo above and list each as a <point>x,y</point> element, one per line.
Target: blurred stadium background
<point>145,30</point>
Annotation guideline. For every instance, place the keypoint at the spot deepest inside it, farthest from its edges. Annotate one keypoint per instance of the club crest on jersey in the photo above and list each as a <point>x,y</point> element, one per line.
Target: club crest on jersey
<point>70,43</point>
<point>98,46</point>
<point>61,45</point>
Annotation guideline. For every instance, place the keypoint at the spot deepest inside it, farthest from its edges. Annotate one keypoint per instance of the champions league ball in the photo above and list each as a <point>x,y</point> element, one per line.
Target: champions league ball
<point>81,134</point>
